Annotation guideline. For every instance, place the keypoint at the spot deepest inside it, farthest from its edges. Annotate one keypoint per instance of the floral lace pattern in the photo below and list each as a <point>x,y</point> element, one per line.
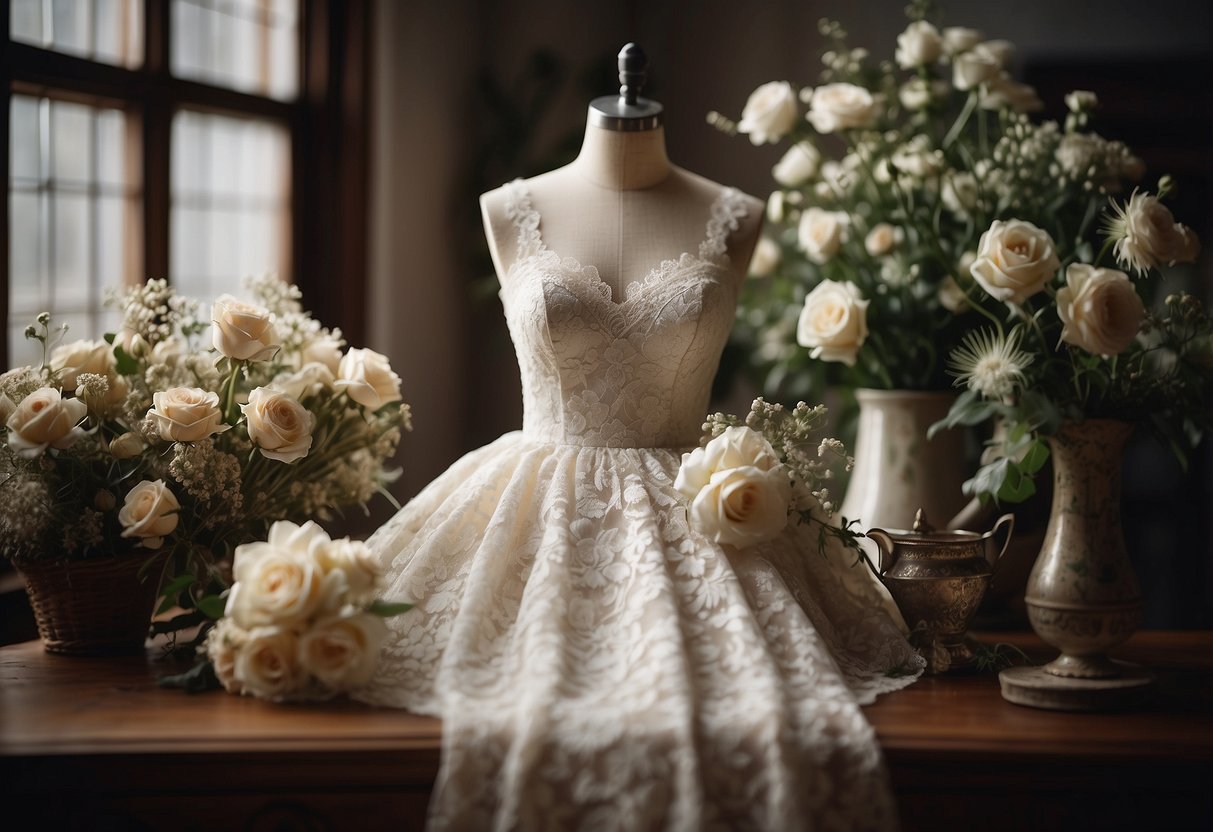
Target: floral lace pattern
<point>598,664</point>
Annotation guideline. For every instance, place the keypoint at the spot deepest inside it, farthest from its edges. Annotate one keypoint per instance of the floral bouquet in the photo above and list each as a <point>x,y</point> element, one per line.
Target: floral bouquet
<point>155,441</point>
<point>750,476</point>
<point>894,172</point>
<point>301,620</point>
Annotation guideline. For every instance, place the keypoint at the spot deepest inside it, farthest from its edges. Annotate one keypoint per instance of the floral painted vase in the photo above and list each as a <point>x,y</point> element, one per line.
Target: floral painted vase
<point>1082,596</point>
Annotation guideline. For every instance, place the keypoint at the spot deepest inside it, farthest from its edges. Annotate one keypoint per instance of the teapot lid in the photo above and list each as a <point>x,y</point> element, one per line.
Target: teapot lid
<point>924,532</point>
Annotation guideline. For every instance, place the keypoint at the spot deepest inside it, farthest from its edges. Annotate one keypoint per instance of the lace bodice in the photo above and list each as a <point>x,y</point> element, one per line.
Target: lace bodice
<point>630,373</point>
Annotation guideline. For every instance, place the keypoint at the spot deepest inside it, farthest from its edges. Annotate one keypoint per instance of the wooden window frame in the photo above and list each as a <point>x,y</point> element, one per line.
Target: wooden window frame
<point>328,124</point>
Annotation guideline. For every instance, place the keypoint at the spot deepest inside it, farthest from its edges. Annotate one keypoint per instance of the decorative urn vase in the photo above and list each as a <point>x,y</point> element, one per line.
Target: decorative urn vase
<point>1082,595</point>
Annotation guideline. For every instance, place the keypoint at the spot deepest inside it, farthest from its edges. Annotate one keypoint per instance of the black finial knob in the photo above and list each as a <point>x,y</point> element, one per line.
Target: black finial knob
<point>633,68</point>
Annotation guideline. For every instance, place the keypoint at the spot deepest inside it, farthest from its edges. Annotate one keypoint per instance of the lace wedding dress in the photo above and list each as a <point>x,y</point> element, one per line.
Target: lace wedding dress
<point>595,662</point>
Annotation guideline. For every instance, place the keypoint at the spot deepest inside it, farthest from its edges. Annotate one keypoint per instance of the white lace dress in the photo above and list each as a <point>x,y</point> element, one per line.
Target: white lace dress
<point>595,662</point>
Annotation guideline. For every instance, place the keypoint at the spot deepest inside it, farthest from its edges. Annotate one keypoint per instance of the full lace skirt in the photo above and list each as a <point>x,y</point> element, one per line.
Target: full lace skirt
<point>598,665</point>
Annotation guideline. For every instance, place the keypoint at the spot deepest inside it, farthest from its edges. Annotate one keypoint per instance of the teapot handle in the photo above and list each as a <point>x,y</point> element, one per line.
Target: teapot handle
<point>1007,520</point>
<point>884,544</point>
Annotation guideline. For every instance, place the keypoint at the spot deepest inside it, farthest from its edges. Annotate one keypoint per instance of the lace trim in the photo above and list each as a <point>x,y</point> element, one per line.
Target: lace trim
<point>727,211</point>
<point>525,218</point>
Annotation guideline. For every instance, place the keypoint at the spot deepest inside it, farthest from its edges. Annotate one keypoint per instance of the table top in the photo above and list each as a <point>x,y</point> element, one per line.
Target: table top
<point>56,705</point>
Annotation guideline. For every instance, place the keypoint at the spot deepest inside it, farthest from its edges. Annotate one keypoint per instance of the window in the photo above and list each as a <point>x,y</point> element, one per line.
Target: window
<point>152,138</point>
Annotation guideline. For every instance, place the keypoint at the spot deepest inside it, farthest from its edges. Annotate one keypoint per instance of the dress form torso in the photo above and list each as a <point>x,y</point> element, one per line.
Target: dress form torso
<point>620,207</point>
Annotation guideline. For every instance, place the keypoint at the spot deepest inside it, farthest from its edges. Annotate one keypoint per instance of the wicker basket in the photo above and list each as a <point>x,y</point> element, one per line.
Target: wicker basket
<point>91,607</point>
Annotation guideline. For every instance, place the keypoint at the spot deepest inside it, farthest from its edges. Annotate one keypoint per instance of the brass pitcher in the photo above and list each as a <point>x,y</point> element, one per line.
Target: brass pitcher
<point>938,579</point>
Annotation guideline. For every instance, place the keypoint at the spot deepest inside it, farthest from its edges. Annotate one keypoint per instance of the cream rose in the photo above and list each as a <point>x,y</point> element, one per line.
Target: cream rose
<point>266,664</point>
<point>127,446</point>
<point>45,419</point>
<point>242,331</point>
<point>282,580</point>
<point>920,44</point>
<point>882,239</point>
<point>359,565</point>
<point>223,644</point>
<point>186,414</point>
<point>1002,50</point>
<point>842,107</point>
<point>310,379</point>
<point>342,652</point>
<point>775,206</point>
<point>833,322</point>
<point>736,447</point>
<point>821,233</point>
<point>367,378</point>
<point>960,192</point>
<point>71,360</point>
<point>278,425</point>
<point>975,67</point>
<point>324,350</point>
<point>951,297</point>
<point>1147,235</point>
<point>1015,259</point>
<point>769,113</point>
<point>149,513</point>
<point>957,39</point>
<point>742,506</point>
<point>1100,310</point>
<point>1005,92</point>
<point>918,93</point>
<point>766,259</point>
<point>798,165</point>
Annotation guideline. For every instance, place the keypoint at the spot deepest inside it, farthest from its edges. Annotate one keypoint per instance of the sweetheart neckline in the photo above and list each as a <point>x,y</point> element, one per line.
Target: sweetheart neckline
<point>632,291</point>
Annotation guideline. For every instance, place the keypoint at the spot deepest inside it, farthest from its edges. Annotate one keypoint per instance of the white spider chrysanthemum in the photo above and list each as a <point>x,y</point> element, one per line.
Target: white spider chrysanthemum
<point>990,363</point>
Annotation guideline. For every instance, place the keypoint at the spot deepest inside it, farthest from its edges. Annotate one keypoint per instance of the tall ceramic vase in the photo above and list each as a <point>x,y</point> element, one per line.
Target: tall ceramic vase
<point>897,469</point>
<point>1082,596</point>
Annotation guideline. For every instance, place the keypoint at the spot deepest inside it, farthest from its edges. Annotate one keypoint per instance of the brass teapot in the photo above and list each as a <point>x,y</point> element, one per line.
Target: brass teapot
<point>938,579</point>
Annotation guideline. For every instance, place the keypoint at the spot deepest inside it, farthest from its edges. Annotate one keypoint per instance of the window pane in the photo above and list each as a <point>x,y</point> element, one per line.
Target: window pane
<point>230,202</point>
<point>71,207</point>
<point>246,45</point>
<point>110,31</point>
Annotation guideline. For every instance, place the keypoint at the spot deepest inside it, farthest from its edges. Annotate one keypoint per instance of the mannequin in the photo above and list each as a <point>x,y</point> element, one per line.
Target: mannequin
<point>620,205</point>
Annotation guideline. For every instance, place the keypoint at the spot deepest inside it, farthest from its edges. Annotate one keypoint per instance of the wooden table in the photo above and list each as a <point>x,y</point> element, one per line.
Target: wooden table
<point>94,744</point>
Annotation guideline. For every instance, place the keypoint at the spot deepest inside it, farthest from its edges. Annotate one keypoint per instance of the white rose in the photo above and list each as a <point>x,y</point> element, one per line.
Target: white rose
<point>951,296</point>
<point>770,112</point>
<point>45,419</point>
<point>278,425</point>
<point>367,378</point>
<point>265,665</point>
<point>821,233</point>
<point>279,584</point>
<point>842,107</point>
<point>775,206</point>
<point>960,192</point>
<point>1005,92</point>
<point>957,39</point>
<point>309,380</point>
<point>974,68</point>
<point>324,350</point>
<point>1147,234</point>
<point>882,239</point>
<point>767,256</point>
<point>1002,50</point>
<point>833,322</point>
<point>797,166</point>
<point>1015,259</point>
<point>736,447</point>
<point>918,93</point>
<point>149,513</point>
<point>186,414</point>
<point>132,343</point>
<point>70,360</point>
<point>360,566</point>
<point>1100,310</point>
<point>919,45</point>
<point>342,652</point>
<point>242,331</point>
<point>223,644</point>
<point>127,446</point>
<point>169,351</point>
<point>917,160</point>
<point>742,506</point>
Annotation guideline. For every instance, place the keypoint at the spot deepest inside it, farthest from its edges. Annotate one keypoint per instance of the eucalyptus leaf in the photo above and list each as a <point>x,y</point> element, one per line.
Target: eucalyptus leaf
<point>125,363</point>
<point>387,609</point>
<point>212,606</point>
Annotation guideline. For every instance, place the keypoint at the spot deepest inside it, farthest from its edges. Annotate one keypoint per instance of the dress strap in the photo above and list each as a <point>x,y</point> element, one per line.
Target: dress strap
<point>524,217</point>
<point>727,211</point>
